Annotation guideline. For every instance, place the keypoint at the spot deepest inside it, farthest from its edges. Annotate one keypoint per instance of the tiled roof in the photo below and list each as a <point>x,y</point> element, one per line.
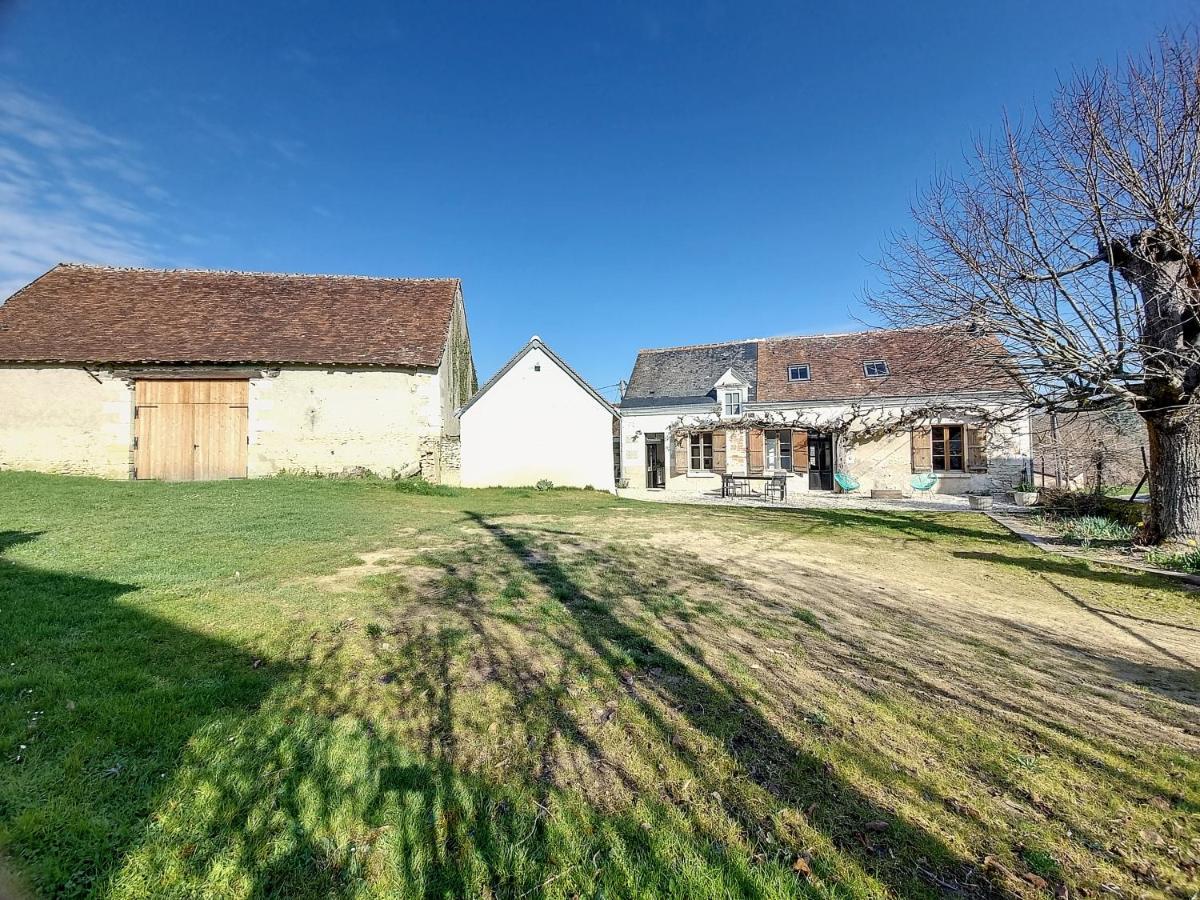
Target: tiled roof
<point>682,376</point>
<point>94,314</point>
<point>921,362</point>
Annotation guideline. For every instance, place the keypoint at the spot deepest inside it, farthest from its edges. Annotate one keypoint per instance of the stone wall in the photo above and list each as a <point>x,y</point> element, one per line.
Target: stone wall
<point>65,420</point>
<point>882,463</point>
<point>456,374</point>
<point>887,463</point>
<point>331,420</point>
<point>440,461</point>
<point>327,421</point>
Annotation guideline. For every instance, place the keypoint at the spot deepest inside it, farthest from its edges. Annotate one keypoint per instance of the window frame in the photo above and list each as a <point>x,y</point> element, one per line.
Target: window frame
<point>783,448</point>
<point>944,434</point>
<point>867,363</point>
<point>737,404</point>
<point>807,372</point>
<point>698,443</point>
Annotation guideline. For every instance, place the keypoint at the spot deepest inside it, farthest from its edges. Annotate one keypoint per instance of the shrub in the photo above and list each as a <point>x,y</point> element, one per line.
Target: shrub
<point>545,485</point>
<point>1085,529</point>
<point>1180,560</point>
<point>1073,504</point>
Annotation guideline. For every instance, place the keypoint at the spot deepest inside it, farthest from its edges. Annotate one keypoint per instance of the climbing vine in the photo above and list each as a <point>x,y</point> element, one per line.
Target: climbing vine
<point>858,424</point>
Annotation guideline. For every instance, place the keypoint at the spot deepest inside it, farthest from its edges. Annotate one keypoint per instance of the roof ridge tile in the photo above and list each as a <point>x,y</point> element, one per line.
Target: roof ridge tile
<point>188,270</point>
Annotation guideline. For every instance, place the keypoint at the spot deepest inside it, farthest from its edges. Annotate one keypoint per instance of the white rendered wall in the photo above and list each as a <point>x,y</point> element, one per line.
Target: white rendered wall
<point>533,425</point>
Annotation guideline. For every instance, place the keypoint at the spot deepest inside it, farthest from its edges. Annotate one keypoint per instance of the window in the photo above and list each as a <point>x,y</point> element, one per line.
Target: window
<point>875,368</point>
<point>702,452</point>
<point>733,403</point>
<point>777,447</point>
<point>798,372</point>
<point>948,448</point>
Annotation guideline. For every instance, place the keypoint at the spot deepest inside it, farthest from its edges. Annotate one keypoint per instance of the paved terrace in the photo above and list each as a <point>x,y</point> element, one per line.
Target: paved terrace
<point>815,500</point>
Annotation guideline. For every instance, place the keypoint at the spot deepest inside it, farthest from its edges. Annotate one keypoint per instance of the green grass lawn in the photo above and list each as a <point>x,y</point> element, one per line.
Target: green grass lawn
<point>311,688</point>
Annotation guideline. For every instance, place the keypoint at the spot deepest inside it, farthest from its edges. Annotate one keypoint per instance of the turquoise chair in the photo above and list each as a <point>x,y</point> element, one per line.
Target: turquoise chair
<point>923,484</point>
<point>845,482</point>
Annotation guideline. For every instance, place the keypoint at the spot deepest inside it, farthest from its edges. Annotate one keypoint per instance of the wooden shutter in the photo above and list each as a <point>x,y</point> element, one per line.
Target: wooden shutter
<point>718,445</point>
<point>679,458</point>
<point>754,451</point>
<point>799,451</point>
<point>977,456</point>
<point>922,450</point>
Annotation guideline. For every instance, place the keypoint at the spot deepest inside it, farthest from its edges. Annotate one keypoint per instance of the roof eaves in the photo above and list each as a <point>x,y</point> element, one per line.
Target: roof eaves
<point>536,342</point>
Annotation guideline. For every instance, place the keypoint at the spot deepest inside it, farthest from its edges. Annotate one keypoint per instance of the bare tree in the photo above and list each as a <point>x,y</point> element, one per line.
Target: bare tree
<point>1073,239</point>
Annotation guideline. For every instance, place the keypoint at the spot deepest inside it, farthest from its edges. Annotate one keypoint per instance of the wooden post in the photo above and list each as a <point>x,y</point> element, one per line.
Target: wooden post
<point>1145,476</point>
<point>1058,462</point>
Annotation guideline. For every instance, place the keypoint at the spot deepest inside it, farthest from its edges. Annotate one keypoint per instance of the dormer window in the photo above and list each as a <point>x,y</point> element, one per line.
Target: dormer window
<point>875,368</point>
<point>733,403</point>
<point>798,372</point>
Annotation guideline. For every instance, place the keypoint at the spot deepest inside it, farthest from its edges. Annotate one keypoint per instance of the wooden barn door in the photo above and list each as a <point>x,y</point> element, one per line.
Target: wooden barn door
<point>191,430</point>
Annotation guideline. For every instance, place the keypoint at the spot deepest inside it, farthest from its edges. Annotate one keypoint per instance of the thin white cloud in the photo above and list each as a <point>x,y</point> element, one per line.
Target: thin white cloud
<point>68,192</point>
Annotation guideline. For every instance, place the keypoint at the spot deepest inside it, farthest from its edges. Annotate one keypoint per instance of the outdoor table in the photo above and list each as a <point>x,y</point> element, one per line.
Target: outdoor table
<point>727,482</point>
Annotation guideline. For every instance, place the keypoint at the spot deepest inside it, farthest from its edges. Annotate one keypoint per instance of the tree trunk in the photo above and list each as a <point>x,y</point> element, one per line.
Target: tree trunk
<point>1159,262</point>
<point>1174,476</point>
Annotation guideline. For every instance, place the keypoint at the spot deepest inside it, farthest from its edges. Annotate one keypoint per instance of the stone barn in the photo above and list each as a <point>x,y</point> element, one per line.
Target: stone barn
<point>188,375</point>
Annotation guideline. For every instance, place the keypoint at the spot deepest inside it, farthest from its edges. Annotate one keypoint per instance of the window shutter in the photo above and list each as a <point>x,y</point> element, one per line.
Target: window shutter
<point>799,451</point>
<point>718,439</point>
<point>977,456</point>
<point>679,459</point>
<point>754,451</point>
<point>922,450</point>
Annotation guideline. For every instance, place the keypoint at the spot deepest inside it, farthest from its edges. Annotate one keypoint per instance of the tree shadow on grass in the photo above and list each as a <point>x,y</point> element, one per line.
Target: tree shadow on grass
<point>313,797</point>
<point>103,697</point>
<point>921,526</point>
<point>1114,619</point>
<point>158,760</point>
<point>1046,563</point>
<point>789,777</point>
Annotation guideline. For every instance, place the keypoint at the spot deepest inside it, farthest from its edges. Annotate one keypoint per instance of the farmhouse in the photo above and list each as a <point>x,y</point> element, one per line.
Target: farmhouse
<point>929,409</point>
<point>190,375</point>
<point>535,420</point>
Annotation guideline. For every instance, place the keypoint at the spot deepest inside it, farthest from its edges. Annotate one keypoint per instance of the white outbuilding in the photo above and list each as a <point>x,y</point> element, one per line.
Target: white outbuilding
<point>536,420</point>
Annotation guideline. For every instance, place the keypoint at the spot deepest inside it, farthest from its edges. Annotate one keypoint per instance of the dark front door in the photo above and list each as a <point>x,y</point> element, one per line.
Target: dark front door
<point>820,461</point>
<point>656,460</point>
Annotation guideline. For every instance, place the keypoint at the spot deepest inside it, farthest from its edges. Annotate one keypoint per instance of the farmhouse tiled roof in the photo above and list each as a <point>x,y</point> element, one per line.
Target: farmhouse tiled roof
<point>96,314</point>
<point>685,376</point>
<point>920,362</point>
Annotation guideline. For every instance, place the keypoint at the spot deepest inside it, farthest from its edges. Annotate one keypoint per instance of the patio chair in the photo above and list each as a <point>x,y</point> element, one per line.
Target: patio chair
<point>776,488</point>
<point>923,484</point>
<point>845,482</point>
<point>735,487</point>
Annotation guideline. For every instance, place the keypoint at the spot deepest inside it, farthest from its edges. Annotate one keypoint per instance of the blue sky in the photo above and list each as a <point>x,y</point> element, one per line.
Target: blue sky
<point>608,175</point>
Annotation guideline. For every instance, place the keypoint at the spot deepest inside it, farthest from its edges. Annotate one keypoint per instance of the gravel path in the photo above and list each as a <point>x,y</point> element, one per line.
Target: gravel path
<point>813,500</point>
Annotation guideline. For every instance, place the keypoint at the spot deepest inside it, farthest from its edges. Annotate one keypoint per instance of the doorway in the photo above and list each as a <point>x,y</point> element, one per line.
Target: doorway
<point>190,430</point>
<point>656,460</point>
<point>820,461</point>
